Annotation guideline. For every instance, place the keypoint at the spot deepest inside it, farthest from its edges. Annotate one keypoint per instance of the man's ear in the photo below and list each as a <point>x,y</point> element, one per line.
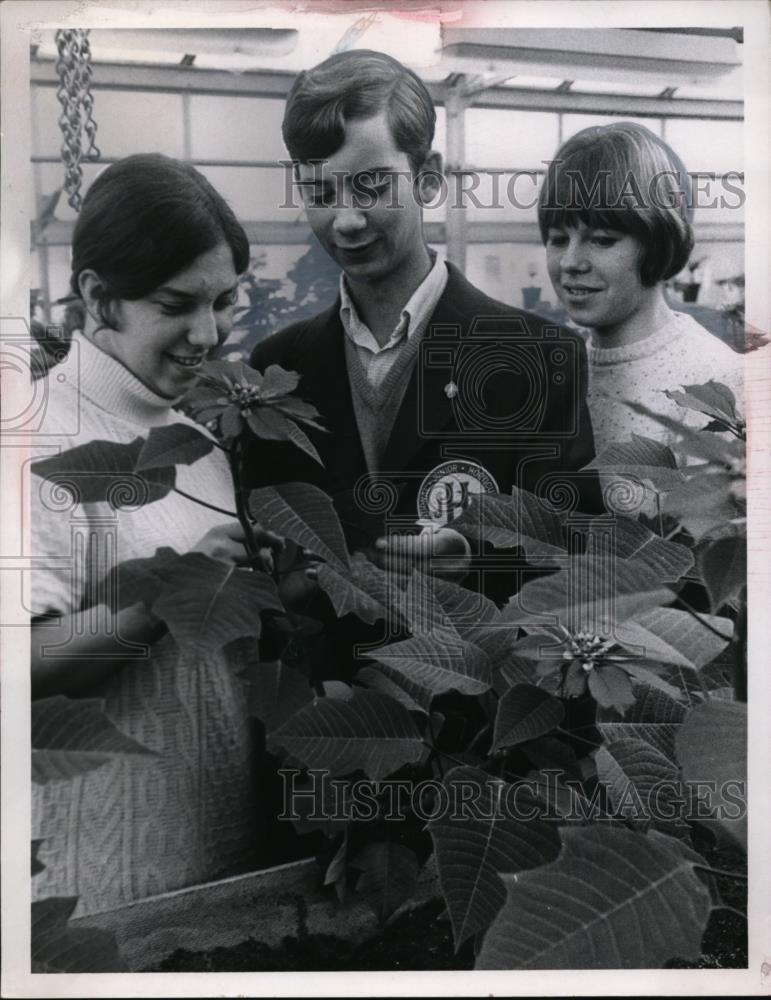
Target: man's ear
<point>92,290</point>
<point>430,177</point>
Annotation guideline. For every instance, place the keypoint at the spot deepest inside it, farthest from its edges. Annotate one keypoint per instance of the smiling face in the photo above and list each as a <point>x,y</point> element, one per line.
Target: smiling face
<point>364,206</point>
<point>164,337</point>
<point>596,275</point>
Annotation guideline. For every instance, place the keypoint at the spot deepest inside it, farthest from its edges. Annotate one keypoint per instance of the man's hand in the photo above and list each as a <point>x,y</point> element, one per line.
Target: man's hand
<point>442,552</point>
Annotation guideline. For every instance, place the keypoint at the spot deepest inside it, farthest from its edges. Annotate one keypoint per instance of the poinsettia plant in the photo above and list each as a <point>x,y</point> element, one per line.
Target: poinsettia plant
<point>552,747</point>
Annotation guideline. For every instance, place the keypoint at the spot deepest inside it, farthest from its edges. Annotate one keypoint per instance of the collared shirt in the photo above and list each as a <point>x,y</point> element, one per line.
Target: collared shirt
<point>377,361</point>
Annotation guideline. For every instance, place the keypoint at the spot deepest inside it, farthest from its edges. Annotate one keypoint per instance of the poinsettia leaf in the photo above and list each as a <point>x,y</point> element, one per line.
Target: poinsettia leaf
<point>513,670</point>
<point>266,422</point>
<point>643,784</point>
<point>563,799</point>
<point>667,635</point>
<point>275,692</point>
<point>276,381</point>
<point>361,591</point>
<point>524,713</point>
<point>73,736</point>
<point>653,718</point>
<point>389,876</point>
<point>692,441</point>
<point>574,682</point>
<point>666,560</point>
<point>105,471</point>
<point>173,444</point>
<point>551,753</point>
<point>304,514</point>
<point>714,399</point>
<point>704,503</point>
<point>585,595</point>
<point>370,732</point>
<point>56,946</point>
<point>375,680</point>
<point>610,687</point>
<point>298,409</point>
<point>426,668</point>
<point>723,568</point>
<point>711,746</point>
<point>643,458</point>
<point>496,830</point>
<point>649,673</point>
<point>520,519</point>
<point>335,873</point>
<point>136,581</point>
<point>206,603</point>
<point>613,899</point>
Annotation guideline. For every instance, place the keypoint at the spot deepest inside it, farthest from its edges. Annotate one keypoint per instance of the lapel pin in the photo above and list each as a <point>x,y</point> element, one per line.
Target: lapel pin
<point>451,390</point>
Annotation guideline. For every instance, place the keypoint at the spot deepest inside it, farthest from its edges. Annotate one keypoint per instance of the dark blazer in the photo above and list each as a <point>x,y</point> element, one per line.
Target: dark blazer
<point>493,385</point>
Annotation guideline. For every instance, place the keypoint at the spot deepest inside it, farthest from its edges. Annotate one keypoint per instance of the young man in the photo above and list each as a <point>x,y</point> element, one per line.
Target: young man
<point>431,391</point>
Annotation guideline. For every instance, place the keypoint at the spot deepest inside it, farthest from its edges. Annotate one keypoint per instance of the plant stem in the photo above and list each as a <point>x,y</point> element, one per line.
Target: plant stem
<point>203,503</point>
<point>242,510</point>
<point>722,871</point>
<point>695,614</point>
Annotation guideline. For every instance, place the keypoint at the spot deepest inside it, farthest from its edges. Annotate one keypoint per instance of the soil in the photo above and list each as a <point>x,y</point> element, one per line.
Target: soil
<point>420,939</point>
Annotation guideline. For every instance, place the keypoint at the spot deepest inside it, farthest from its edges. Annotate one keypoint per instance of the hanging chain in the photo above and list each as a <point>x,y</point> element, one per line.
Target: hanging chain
<point>74,69</point>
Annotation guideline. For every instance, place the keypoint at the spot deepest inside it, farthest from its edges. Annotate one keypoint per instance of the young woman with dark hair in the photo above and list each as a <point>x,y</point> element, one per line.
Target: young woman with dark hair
<point>615,213</point>
<point>156,258</point>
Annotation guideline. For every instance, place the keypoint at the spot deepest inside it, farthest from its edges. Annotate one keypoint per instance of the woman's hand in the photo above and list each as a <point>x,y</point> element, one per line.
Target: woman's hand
<point>442,552</point>
<point>227,542</point>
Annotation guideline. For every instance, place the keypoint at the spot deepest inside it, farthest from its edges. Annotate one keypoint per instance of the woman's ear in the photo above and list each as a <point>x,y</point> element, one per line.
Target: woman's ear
<point>430,178</point>
<point>92,290</point>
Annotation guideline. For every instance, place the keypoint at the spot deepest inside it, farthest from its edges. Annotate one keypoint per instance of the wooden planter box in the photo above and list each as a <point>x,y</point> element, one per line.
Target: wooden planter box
<point>267,905</point>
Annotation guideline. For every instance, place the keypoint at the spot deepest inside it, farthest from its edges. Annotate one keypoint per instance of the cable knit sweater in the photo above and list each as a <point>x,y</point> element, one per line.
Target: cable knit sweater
<point>138,827</point>
<point>680,353</point>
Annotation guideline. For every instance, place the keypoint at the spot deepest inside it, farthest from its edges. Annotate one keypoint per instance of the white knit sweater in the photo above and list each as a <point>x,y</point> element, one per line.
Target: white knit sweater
<point>681,353</point>
<point>138,827</point>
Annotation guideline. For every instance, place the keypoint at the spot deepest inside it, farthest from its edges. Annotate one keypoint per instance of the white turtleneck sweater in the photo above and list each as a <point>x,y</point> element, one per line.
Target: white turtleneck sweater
<point>138,827</point>
<point>680,353</point>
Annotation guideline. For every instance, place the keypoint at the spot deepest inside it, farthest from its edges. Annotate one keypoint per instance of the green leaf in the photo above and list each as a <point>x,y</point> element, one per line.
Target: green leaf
<point>524,713</point>
<point>610,687</point>
<point>136,581</point>
<point>173,444</point>
<point>588,595</point>
<point>73,736</point>
<point>275,692</point>
<point>389,876</point>
<point>267,423</point>
<point>105,471</point>
<point>335,873</point>
<point>426,667</point>
<point>551,753</point>
<point>667,635</point>
<point>694,442</point>
<point>705,503</point>
<point>643,784</point>
<point>298,409</point>
<point>667,561</point>
<point>642,458</point>
<point>362,591</point>
<point>58,947</point>
<point>723,568</point>
<point>487,827</point>
<point>654,718</point>
<point>304,514</point>
<point>613,899</point>
<point>276,381</point>
<point>374,680</point>
<point>207,603</point>
<point>370,732</point>
<point>711,745</point>
<point>521,519</point>
<point>712,399</point>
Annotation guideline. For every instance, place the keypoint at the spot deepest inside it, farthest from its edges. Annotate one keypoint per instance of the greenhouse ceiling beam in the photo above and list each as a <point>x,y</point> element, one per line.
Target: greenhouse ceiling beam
<point>180,79</point>
<point>59,233</point>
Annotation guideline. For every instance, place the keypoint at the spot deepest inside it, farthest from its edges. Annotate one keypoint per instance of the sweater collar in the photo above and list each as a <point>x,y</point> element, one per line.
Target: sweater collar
<point>106,383</point>
<point>652,344</point>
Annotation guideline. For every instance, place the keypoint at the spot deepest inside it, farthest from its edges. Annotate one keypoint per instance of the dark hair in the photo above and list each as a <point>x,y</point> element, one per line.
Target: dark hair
<point>622,176</point>
<point>357,84</point>
<point>146,218</point>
